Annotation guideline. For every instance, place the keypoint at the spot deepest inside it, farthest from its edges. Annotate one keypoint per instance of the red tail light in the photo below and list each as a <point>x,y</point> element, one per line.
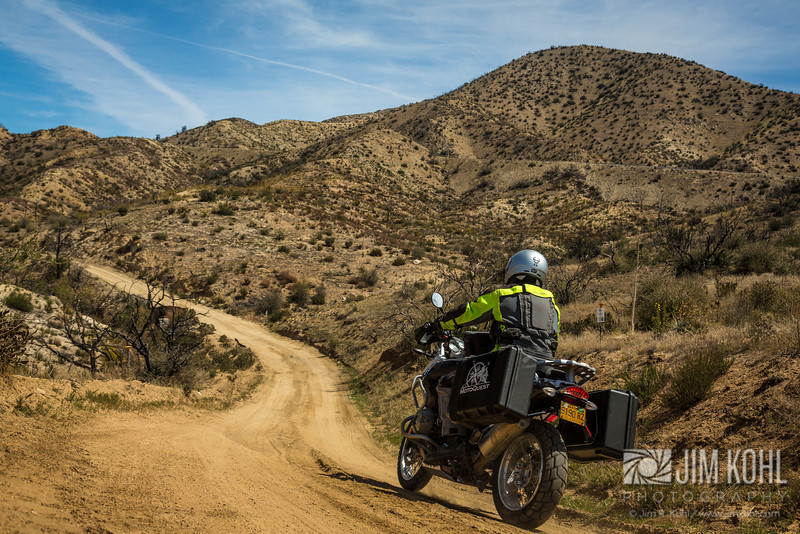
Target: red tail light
<point>577,392</point>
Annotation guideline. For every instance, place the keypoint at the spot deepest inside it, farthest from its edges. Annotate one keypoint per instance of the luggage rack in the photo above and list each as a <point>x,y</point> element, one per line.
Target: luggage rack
<point>577,372</point>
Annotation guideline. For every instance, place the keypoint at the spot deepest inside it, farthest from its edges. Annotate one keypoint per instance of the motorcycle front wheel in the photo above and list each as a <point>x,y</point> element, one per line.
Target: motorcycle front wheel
<point>410,472</point>
<point>530,476</point>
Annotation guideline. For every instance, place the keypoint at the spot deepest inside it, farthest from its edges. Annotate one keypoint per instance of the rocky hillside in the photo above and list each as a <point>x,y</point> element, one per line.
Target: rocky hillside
<point>611,106</point>
<point>68,170</point>
<point>610,110</point>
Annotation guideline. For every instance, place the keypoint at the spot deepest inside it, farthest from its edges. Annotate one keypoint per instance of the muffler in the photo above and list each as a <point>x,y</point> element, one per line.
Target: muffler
<point>494,442</point>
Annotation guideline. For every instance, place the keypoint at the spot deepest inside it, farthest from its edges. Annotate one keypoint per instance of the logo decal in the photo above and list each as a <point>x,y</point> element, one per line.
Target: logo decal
<point>647,466</point>
<point>535,262</point>
<point>477,378</point>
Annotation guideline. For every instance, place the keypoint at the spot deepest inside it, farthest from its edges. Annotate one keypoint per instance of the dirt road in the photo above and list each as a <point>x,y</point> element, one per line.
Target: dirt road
<point>296,457</point>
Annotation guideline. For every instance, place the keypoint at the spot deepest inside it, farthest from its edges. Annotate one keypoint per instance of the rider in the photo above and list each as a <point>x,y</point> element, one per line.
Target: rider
<point>522,313</point>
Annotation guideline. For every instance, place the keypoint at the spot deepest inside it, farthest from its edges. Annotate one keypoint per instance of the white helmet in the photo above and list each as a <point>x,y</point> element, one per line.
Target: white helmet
<point>526,264</point>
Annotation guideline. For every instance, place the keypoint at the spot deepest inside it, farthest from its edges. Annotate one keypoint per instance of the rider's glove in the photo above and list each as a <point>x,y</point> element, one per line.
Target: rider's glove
<point>425,330</point>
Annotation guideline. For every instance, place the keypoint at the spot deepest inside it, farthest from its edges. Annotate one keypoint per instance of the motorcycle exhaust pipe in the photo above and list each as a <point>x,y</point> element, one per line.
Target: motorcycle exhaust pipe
<point>496,441</point>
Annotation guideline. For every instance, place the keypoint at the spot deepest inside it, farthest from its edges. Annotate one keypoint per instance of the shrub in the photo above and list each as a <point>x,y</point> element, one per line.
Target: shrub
<point>376,251</point>
<point>160,236</point>
<point>285,277</point>
<point>20,301</point>
<point>365,278</point>
<point>300,293</point>
<point>223,208</point>
<point>318,297</point>
<point>763,296</point>
<point>236,358</point>
<point>646,384</point>
<point>672,304</point>
<point>207,195</point>
<point>417,253</point>
<point>398,261</point>
<point>14,337</point>
<point>759,258</point>
<point>122,210</point>
<point>703,362</point>
<point>271,305</point>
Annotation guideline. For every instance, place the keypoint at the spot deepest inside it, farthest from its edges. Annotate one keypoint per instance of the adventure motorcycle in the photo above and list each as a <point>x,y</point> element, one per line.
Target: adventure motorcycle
<point>520,417</point>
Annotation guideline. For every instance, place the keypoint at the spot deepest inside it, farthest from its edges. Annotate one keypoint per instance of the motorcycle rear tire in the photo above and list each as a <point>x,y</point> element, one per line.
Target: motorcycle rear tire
<point>530,476</point>
<point>411,474</point>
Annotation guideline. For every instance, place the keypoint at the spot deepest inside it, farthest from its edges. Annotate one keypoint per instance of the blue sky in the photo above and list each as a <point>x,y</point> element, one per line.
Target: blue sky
<point>147,67</point>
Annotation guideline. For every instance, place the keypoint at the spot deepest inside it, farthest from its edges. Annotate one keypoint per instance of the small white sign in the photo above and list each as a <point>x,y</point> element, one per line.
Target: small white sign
<point>601,315</point>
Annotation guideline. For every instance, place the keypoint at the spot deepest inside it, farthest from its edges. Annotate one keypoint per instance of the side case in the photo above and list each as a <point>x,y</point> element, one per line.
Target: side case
<point>612,426</point>
<point>492,388</point>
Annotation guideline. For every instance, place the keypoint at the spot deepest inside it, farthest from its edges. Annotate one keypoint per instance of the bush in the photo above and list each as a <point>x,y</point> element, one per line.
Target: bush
<point>646,384</point>
<point>376,252</point>
<point>285,277</point>
<point>20,301</point>
<point>760,258</point>
<point>399,261</point>
<point>763,298</point>
<point>223,208</point>
<point>318,298</point>
<point>160,236</point>
<point>703,362</point>
<point>229,361</point>
<point>365,278</point>
<point>672,304</point>
<point>207,195</point>
<point>14,337</point>
<point>271,305</point>
<point>300,293</point>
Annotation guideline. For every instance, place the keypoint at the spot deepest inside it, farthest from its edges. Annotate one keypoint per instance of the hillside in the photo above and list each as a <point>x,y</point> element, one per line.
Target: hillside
<point>645,125</point>
<point>611,106</point>
<point>67,170</point>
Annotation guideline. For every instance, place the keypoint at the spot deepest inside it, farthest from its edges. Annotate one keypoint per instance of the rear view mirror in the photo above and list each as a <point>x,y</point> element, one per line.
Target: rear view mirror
<point>437,300</point>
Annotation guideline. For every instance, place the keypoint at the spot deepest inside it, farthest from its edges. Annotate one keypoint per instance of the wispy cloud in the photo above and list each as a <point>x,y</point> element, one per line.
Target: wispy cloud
<point>30,30</point>
<point>306,30</point>
<point>263,60</point>
<point>53,11</point>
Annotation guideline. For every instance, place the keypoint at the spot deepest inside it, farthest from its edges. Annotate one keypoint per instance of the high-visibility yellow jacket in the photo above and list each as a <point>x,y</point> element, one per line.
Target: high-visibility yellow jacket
<point>523,314</point>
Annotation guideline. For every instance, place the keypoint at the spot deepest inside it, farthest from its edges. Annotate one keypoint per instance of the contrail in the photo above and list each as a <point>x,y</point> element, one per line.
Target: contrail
<point>53,11</point>
<point>260,59</point>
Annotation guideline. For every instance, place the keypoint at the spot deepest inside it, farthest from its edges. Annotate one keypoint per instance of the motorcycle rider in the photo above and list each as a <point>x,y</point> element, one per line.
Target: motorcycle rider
<point>522,313</point>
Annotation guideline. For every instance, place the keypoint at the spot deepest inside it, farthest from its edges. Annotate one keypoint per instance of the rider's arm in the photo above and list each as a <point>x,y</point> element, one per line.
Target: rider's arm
<point>483,309</point>
<point>558,319</point>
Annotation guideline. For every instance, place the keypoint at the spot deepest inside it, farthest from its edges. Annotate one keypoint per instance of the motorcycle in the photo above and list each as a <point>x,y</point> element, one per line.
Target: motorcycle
<point>518,418</point>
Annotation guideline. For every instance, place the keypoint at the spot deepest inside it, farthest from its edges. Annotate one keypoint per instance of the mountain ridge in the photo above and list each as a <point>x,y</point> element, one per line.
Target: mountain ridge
<point>580,104</point>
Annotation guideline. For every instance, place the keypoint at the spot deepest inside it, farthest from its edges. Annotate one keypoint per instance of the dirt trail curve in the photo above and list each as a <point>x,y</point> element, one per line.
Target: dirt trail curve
<point>296,457</point>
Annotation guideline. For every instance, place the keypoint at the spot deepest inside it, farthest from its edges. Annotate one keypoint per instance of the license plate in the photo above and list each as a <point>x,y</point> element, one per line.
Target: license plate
<point>573,414</point>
